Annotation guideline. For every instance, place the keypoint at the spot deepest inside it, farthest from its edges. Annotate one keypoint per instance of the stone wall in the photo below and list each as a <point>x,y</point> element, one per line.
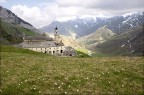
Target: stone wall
<point>50,50</point>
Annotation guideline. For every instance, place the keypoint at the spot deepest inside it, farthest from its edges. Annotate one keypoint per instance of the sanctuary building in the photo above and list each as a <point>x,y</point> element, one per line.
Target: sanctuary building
<point>46,44</point>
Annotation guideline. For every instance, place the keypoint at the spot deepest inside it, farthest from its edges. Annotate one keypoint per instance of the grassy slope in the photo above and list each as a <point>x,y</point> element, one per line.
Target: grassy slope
<point>28,72</point>
<point>11,33</point>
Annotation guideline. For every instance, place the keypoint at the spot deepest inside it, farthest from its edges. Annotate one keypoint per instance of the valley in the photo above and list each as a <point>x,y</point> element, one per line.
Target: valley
<point>103,35</point>
<point>108,55</point>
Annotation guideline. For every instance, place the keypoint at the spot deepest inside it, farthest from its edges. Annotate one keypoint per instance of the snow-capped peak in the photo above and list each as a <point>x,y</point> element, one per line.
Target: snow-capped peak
<point>129,14</point>
<point>65,19</point>
<point>84,17</point>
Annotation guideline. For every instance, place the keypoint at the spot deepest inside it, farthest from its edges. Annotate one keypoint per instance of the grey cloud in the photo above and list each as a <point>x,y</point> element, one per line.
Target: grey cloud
<point>103,4</point>
<point>118,4</point>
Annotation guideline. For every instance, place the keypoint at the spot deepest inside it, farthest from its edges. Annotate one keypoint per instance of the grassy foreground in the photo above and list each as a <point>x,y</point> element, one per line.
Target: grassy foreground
<point>31,73</point>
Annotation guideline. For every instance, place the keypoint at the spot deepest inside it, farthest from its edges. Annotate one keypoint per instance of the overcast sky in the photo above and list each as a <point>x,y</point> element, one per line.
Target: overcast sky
<point>43,12</point>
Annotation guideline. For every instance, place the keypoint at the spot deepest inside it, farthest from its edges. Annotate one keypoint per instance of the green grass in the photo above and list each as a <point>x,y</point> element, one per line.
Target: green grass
<point>24,72</point>
<point>82,54</point>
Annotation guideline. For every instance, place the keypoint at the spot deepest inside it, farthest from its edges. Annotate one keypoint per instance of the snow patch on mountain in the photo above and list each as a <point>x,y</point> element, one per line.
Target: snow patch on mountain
<point>65,19</point>
<point>76,26</point>
<point>129,14</point>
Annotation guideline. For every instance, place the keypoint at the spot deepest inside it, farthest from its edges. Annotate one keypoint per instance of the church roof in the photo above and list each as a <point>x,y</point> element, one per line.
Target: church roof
<point>44,44</point>
<point>38,38</point>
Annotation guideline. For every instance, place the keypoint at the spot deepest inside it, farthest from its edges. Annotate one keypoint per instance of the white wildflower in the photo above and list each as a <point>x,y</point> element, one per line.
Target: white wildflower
<point>55,83</point>
<point>69,86</point>
<point>59,87</point>
<point>66,78</point>
<point>122,69</point>
<point>65,92</point>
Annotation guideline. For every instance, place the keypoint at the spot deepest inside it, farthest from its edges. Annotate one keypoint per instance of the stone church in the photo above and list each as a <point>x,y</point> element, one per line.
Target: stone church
<point>46,44</point>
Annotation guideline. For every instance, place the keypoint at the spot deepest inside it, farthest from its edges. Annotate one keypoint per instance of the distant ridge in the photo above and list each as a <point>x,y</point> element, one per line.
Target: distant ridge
<point>83,26</point>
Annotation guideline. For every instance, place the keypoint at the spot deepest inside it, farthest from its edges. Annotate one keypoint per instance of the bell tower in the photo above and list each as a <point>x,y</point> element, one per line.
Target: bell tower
<point>56,33</point>
<point>57,37</point>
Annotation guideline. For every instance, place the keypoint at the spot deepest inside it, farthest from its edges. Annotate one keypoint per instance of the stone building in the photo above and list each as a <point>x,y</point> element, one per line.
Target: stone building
<point>46,44</point>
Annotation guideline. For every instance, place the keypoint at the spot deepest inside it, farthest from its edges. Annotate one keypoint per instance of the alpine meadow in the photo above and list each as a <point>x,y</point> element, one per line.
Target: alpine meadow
<point>71,47</point>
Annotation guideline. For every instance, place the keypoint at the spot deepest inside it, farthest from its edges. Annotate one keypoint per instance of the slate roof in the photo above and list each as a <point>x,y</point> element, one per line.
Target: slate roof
<point>69,48</point>
<point>38,38</point>
<point>44,44</point>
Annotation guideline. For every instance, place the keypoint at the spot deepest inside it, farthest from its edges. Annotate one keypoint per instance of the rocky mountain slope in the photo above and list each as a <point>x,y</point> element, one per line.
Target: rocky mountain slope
<point>82,26</point>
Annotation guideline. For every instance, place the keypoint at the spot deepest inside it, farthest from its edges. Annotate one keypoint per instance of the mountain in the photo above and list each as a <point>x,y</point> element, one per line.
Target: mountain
<point>99,36</point>
<point>12,28</point>
<point>130,42</point>
<point>82,26</point>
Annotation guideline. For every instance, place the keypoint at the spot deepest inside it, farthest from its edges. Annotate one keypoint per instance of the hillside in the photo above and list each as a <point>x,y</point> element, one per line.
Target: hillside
<point>28,72</point>
<point>99,36</point>
<point>12,27</point>
<point>130,42</point>
<point>12,34</point>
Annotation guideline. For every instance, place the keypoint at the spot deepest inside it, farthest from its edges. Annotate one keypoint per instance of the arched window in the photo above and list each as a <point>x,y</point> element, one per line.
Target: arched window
<point>61,51</point>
